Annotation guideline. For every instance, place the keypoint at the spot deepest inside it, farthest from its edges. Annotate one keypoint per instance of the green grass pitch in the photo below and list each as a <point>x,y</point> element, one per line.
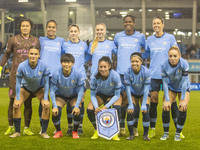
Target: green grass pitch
<point>191,131</point>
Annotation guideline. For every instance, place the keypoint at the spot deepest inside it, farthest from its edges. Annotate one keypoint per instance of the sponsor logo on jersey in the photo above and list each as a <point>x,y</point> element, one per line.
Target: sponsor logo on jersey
<point>111,84</point>
<point>164,43</point>
<point>150,78</point>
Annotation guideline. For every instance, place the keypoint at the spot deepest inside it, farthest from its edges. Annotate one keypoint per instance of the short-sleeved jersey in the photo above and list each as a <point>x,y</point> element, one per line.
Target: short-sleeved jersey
<point>137,81</point>
<point>126,45</point>
<point>50,52</point>
<point>19,47</point>
<point>104,48</point>
<point>108,86</point>
<point>158,48</point>
<point>67,86</point>
<point>79,51</point>
<point>174,74</point>
<point>32,79</point>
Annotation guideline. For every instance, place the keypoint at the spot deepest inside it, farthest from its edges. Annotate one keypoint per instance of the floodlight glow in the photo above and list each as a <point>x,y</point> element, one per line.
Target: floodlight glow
<point>70,0</point>
<point>159,9</point>
<point>22,1</point>
<point>123,13</point>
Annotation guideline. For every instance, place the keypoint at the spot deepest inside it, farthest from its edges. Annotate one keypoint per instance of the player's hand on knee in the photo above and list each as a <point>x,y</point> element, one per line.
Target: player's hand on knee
<point>55,111</point>
<point>144,108</point>
<point>166,105</point>
<point>17,104</point>
<point>76,111</point>
<point>182,106</point>
<point>46,104</point>
<point>130,111</point>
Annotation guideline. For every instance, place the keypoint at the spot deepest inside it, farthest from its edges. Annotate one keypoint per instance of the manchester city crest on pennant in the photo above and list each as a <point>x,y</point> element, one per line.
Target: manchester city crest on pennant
<point>107,119</point>
<point>107,123</point>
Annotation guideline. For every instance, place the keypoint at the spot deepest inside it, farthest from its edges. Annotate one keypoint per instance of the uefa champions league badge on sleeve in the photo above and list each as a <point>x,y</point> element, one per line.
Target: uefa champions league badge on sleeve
<point>107,123</point>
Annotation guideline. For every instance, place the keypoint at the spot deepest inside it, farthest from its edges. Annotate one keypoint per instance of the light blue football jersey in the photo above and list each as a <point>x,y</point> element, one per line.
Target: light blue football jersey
<point>32,79</point>
<point>158,48</point>
<point>174,74</point>
<point>79,51</point>
<point>104,48</point>
<point>126,45</point>
<point>137,81</point>
<point>67,86</point>
<point>50,52</point>
<point>108,86</point>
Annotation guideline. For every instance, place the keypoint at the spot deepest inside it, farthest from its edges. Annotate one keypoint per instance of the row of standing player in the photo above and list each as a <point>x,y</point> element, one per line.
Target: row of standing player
<point>126,40</point>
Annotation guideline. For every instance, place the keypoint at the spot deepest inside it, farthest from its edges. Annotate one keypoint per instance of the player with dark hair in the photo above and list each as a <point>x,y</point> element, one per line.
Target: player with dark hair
<point>19,46</point>
<point>127,42</point>
<point>174,72</point>
<point>79,50</point>
<point>50,52</point>
<point>100,46</point>
<point>157,47</point>
<point>33,75</point>
<point>105,87</point>
<point>67,84</point>
<point>51,47</point>
<point>137,80</point>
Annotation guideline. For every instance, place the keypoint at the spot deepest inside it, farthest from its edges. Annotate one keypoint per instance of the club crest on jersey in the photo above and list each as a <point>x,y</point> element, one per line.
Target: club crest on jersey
<point>179,71</point>
<point>107,119</point>
<point>135,40</point>
<point>73,81</point>
<point>58,43</point>
<point>81,48</point>
<point>39,73</point>
<point>107,46</point>
<point>164,43</point>
<point>141,79</point>
<point>111,84</point>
